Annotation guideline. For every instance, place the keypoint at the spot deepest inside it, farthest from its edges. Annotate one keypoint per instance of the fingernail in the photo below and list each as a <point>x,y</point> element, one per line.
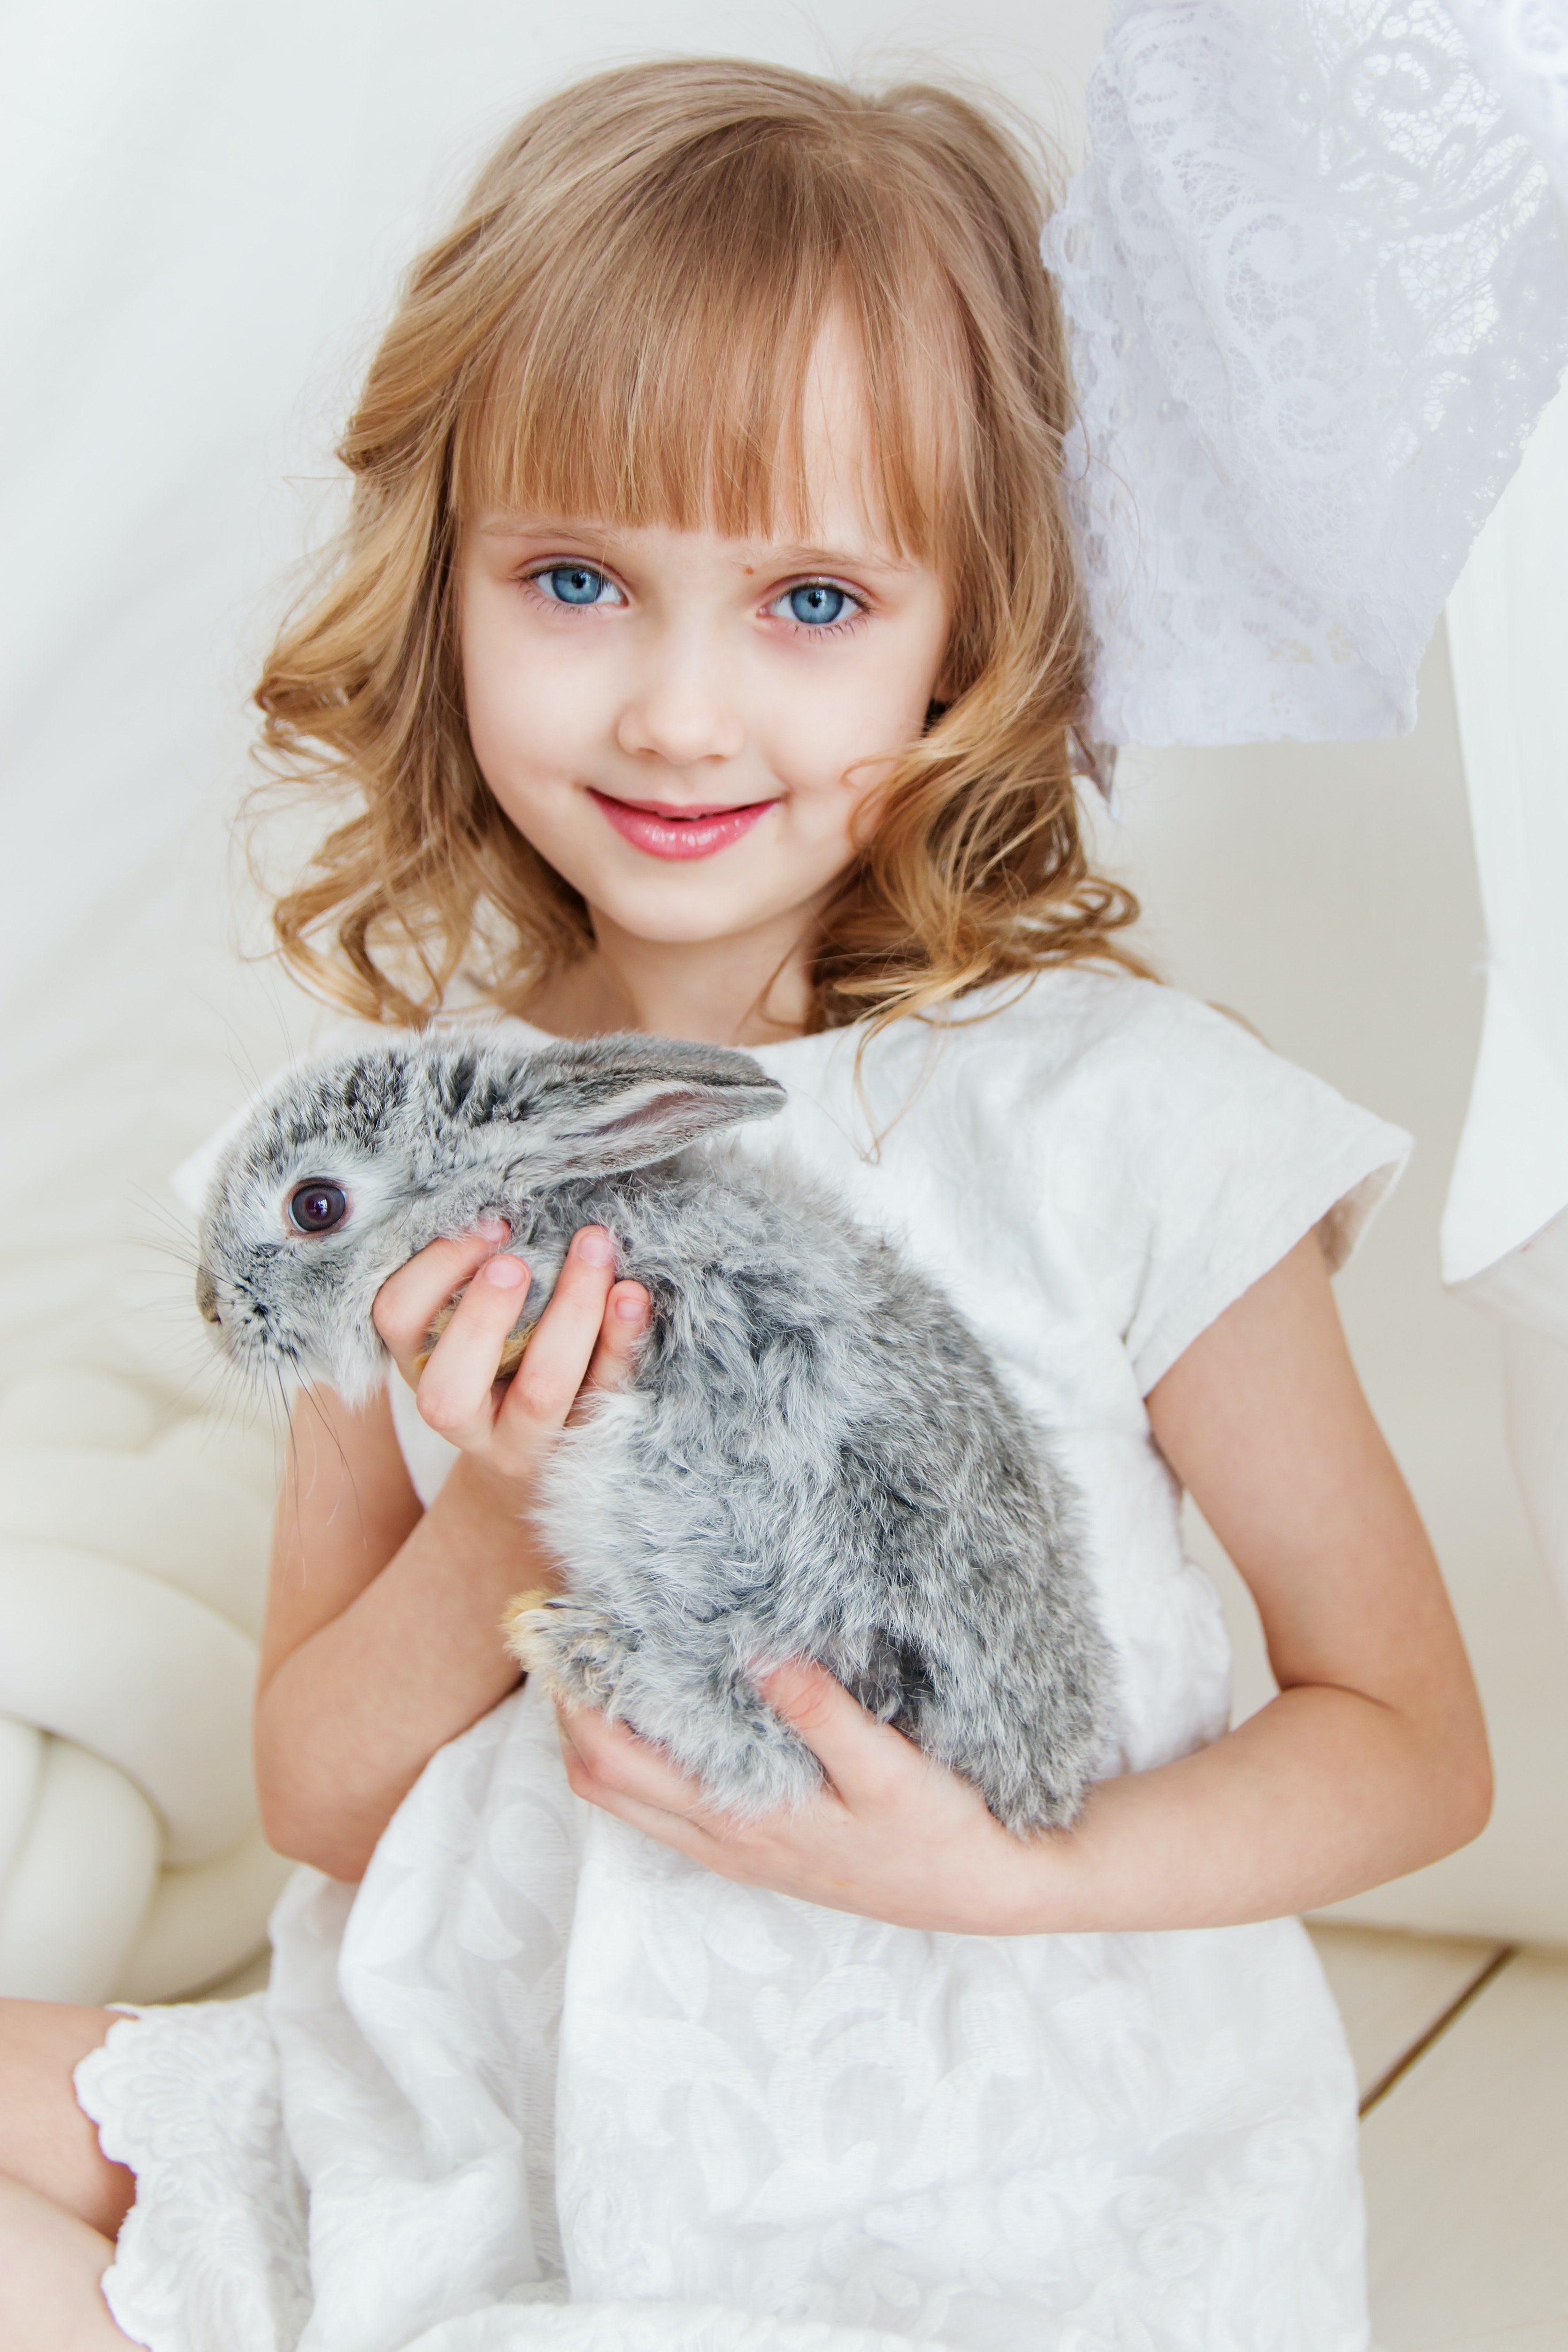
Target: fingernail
<point>505,1273</point>
<point>492,1229</point>
<point>630,1308</point>
<point>595,1247</point>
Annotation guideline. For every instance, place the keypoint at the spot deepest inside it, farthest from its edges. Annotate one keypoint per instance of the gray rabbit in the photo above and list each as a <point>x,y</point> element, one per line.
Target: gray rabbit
<point>812,1458</point>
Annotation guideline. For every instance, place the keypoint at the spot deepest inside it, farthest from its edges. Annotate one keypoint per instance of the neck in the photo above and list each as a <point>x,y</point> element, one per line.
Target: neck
<point>751,988</point>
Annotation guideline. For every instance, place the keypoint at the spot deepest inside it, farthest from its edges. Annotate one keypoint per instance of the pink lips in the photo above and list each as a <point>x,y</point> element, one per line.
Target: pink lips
<point>667,832</point>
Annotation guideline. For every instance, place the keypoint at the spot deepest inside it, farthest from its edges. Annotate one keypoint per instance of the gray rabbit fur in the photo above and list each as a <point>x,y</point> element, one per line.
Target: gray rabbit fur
<point>812,1459</point>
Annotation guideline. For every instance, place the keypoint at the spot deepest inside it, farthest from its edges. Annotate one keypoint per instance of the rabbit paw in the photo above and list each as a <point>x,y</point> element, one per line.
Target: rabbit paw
<point>573,1650</point>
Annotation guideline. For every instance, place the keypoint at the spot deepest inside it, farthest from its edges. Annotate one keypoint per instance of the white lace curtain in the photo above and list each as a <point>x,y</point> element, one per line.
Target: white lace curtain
<point>1316,276</point>
<point>1318,300</point>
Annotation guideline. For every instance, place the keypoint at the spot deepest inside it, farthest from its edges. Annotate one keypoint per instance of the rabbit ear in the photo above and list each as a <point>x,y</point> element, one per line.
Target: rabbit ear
<point>603,1118</point>
<point>651,1120</point>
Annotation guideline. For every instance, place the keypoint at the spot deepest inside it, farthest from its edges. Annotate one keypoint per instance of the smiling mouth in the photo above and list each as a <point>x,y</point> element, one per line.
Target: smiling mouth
<point>695,830</point>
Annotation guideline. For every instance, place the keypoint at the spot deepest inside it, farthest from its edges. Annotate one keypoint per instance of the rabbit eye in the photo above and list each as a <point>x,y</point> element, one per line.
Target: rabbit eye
<point>317,1206</point>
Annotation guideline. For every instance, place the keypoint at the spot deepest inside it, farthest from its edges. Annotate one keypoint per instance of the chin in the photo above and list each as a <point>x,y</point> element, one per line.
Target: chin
<point>651,916</point>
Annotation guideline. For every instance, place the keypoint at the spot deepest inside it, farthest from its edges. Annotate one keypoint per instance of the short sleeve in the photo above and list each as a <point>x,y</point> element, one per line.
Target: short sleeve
<point>1197,1160</point>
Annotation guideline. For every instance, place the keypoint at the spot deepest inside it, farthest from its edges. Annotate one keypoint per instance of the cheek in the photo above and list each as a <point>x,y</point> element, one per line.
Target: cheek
<point>527,713</point>
<point>834,733</point>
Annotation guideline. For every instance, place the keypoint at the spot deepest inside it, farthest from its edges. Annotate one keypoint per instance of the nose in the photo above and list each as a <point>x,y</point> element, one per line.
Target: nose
<point>206,1296</point>
<point>683,707</point>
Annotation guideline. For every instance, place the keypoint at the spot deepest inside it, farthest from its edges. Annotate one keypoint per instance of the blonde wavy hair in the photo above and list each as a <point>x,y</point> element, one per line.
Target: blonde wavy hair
<point>620,325</point>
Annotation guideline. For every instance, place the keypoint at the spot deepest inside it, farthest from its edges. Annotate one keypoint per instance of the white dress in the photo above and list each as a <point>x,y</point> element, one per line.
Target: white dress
<point>539,2081</point>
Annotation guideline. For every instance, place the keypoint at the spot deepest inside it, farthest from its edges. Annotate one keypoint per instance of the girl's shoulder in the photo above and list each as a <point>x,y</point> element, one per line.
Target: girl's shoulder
<point>1099,1034</point>
<point>1119,1095</point>
<point>1174,1154</point>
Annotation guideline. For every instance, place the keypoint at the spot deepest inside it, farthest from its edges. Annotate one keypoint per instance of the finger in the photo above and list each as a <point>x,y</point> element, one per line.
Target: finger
<point>454,1388</point>
<point>626,1312</point>
<point>865,1762</point>
<point>609,1766</point>
<point>633,1768</point>
<point>409,1300</point>
<point>562,1349</point>
<point>687,1836</point>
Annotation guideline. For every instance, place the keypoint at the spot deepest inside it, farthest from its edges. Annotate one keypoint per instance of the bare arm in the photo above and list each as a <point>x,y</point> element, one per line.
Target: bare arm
<point>1372,1761</point>
<point>383,1638</point>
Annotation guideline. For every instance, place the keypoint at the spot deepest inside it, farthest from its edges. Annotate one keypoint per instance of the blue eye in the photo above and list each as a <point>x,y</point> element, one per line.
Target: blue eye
<point>819,604</point>
<point>577,583</point>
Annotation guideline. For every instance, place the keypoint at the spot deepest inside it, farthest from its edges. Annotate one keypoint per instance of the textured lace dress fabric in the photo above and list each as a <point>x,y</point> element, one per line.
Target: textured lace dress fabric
<point>541,2082</point>
<point>1318,296</point>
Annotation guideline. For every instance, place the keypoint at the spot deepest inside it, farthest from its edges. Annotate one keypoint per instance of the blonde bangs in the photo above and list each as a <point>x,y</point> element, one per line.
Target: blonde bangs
<point>621,325</point>
<point>655,369</point>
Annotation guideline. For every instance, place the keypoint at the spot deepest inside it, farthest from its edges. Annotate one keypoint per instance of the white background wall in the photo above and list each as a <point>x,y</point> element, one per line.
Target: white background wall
<point>208,203</point>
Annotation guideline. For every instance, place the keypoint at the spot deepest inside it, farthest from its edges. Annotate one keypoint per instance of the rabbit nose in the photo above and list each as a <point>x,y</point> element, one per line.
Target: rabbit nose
<point>207,1296</point>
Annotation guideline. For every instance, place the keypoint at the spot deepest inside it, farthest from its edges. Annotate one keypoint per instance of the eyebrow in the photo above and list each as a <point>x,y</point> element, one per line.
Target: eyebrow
<point>828,559</point>
<point>786,557</point>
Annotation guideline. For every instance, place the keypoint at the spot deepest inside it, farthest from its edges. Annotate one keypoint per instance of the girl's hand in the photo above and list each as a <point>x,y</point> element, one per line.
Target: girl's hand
<point>587,1339</point>
<point>382,1637</point>
<point>891,1835</point>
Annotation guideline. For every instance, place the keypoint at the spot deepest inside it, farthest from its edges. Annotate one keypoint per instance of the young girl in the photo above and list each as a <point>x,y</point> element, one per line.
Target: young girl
<point>704,658</point>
